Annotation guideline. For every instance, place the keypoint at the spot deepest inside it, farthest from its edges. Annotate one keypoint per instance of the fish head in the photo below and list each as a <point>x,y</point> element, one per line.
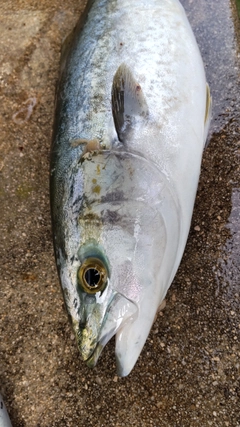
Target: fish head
<point>103,310</point>
<point>120,248</point>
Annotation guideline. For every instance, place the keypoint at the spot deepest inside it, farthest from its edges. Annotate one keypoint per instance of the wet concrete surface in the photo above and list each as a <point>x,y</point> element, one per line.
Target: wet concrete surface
<point>189,371</point>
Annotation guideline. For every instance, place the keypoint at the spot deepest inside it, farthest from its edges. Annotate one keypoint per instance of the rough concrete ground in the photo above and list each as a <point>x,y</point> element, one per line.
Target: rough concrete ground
<point>189,371</point>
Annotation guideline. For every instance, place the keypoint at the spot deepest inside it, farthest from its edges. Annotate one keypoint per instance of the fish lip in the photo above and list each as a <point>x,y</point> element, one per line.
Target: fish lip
<point>120,370</point>
<point>87,349</point>
<point>93,359</point>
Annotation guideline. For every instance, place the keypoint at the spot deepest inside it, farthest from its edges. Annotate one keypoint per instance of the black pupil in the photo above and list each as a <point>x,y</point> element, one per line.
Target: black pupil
<point>92,277</point>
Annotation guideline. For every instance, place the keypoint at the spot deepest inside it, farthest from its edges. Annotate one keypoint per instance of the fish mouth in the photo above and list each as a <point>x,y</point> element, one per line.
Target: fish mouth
<point>121,311</point>
<point>93,359</point>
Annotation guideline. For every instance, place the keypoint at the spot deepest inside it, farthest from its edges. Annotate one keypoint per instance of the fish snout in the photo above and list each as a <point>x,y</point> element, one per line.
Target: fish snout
<point>101,323</point>
<point>87,341</point>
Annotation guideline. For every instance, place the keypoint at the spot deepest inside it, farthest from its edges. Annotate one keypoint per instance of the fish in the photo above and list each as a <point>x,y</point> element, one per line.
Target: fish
<point>4,418</point>
<point>132,115</point>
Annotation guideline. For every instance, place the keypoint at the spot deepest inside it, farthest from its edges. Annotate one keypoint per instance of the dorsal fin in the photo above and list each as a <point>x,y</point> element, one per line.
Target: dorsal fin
<point>128,102</point>
<point>208,114</point>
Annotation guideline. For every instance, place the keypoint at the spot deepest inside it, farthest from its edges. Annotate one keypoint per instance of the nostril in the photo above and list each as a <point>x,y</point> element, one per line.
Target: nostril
<point>82,325</point>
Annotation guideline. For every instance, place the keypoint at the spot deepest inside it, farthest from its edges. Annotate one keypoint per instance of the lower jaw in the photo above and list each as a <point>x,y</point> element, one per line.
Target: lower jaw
<point>93,359</point>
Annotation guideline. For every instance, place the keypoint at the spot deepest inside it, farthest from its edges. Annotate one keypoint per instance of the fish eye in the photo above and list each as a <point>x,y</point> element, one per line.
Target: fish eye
<point>92,275</point>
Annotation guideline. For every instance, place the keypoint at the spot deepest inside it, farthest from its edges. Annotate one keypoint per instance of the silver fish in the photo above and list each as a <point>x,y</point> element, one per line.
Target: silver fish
<point>132,116</point>
<point>4,418</point>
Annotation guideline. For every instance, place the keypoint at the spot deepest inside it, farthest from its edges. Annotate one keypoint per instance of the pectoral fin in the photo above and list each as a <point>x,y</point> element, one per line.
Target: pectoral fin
<point>128,102</point>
